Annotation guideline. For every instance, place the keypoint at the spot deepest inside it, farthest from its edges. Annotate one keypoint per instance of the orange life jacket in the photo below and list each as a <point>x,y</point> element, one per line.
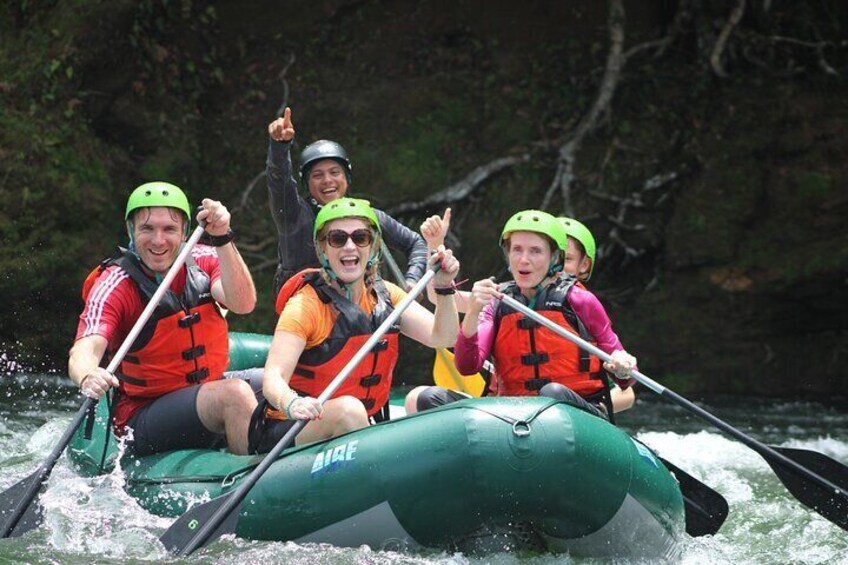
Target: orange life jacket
<point>184,342</point>
<point>528,356</point>
<point>318,366</point>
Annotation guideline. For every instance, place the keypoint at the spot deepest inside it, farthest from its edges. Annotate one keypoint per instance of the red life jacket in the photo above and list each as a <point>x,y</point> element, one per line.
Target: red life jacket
<point>529,356</point>
<point>184,342</point>
<point>318,366</point>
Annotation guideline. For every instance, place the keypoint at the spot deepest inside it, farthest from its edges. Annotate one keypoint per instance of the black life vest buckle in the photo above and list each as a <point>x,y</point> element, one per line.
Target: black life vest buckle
<point>535,384</point>
<point>198,375</point>
<point>368,403</point>
<point>305,373</point>
<point>194,352</point>
<point>382,345</point>
<point>528,324</point>
<point>190,320</point>
<point>535,358</point>
<point>370,380</point>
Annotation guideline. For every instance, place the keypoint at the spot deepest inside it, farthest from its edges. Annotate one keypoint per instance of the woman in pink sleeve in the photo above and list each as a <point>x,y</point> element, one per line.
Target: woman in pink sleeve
<point>530,359</point>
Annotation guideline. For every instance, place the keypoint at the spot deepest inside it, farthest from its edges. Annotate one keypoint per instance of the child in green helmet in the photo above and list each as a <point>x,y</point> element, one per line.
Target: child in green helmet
<point>580,262</point>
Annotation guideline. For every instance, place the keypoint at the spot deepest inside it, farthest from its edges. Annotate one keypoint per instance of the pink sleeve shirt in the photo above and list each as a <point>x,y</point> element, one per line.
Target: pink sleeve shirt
<point>471,352</point>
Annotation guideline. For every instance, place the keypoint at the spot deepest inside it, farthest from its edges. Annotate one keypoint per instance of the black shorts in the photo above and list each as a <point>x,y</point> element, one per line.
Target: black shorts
<point>264,433</point>
<point>435,396</point>
<point>171,422</point>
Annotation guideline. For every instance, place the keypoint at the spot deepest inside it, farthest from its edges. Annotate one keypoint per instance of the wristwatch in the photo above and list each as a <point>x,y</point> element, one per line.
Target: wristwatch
<point>219,240</point>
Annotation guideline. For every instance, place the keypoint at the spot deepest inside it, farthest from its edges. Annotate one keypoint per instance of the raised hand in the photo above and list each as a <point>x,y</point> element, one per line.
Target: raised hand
<point>434,229</point>
<point>282,129</point>
<point>216,215</point>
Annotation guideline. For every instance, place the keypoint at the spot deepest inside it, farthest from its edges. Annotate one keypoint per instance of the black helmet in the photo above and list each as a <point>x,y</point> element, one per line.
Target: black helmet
<point>320,150</point>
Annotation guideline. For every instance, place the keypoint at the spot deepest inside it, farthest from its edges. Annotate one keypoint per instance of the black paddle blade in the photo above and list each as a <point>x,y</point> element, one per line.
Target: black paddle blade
<point>830,503</point>
<point>14,496</point>
<point>706,510</point>
<point>180,536</point>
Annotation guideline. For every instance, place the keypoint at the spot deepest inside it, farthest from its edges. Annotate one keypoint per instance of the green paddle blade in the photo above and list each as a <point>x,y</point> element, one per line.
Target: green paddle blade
<point>832,503</point>
<point>18,494</point>
<point>179,539</point>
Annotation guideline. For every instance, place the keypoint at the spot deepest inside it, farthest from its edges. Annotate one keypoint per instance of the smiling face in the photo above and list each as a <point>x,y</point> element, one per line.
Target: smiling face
<point>158,234</point>
<point>348,261</point>
<point>327,181</point>
<point>529,256</point>
<point>577,263</point>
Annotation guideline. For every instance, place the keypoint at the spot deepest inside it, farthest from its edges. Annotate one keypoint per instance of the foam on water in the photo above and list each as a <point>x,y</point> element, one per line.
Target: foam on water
<point>93,520</point>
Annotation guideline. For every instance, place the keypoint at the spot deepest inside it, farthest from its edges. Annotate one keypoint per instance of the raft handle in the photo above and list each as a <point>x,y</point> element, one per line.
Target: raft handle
<point>521,428</point>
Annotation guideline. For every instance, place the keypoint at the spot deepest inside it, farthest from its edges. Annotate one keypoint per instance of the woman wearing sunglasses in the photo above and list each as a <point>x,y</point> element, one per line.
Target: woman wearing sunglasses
<point>326,315</point>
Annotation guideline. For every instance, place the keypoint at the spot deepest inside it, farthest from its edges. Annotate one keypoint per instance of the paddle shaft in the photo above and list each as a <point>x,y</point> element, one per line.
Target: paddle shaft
<point>238,495</point>
<point>43,472</point>
<point>764,450</point>
<point>393,266</point>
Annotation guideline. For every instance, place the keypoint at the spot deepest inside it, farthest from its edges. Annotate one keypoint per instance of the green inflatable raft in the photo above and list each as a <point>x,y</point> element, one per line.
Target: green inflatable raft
<point>481,475</point>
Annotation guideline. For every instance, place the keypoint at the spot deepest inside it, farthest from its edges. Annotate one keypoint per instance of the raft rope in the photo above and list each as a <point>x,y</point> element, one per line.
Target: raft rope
<point>520,426</point>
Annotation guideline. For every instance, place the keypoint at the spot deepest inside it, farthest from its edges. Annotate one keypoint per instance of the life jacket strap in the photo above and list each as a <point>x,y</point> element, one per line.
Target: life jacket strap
<point>190,320</point>
<point>535,358</point>
<point>370,380</point>
<point>305,373</point>
<point>535,384</point>
<point>194,352</point>
<point>528,324</point>
<point>198,375</point>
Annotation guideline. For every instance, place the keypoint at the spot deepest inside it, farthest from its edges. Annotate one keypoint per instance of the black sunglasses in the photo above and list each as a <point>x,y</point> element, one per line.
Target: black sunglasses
<point>338,238</point>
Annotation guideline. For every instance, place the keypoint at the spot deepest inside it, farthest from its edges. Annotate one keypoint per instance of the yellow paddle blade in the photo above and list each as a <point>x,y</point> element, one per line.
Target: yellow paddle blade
<point>445,375</point>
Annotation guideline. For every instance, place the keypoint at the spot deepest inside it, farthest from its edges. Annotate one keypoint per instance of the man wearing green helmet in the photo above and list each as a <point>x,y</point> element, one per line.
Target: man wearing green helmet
<point>528,358</point>
<point>325,173</point>
<point>170,390</point>
<point>327,314</point>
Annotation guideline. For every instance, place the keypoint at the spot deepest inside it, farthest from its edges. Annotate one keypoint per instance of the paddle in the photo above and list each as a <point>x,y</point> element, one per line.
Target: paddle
<point>445,373</point>
<point>15,502</point>
<point>823,489</point>
<point>205,522</point>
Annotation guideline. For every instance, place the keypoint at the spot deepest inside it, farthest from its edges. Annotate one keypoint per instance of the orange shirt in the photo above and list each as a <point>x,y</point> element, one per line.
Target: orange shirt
<point>305,315</point>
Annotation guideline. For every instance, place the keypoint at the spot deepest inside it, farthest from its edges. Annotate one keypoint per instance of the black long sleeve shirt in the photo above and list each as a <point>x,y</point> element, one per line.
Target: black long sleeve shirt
<point>294,217</point>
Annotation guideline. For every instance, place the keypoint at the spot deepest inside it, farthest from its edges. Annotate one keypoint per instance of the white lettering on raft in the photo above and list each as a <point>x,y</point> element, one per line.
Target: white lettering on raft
<point>333,458</point>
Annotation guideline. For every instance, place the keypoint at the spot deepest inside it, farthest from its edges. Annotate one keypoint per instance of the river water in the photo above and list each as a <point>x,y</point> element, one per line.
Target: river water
<point>94,521</point>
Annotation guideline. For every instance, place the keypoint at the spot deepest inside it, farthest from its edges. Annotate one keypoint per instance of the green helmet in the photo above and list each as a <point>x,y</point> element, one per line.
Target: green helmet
<point>538,222</point>
<point>581,233</point>
<point>158,194</point>
<point>346,208</point>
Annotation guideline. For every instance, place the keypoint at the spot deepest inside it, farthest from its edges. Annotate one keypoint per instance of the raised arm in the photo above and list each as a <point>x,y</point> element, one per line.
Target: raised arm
<point>284,200</point>
<point>398,236</point>
<point>438,329</point>
<point>434,230</point>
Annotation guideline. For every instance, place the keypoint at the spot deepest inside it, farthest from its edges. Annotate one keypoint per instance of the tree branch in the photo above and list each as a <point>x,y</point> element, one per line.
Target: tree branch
<point>564,176</point>
<point>461,190</point>
<point>720,44</point>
